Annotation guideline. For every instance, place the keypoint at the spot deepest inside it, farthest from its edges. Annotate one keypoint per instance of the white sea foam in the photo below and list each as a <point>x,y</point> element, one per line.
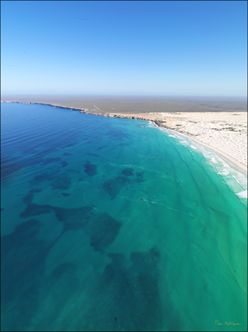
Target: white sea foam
<point>224,172</point>
<point>213,160</point>
<point>236,180</point>
<point>151,124</point>
<point>242,194</point>
<point>183,141</point>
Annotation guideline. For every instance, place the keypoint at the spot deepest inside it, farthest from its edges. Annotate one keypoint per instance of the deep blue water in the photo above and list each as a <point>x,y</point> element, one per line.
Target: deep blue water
<point>110,224</point>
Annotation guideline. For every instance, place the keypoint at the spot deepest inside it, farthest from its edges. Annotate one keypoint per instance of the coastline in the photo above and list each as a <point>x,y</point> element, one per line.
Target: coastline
<point>232,162</point>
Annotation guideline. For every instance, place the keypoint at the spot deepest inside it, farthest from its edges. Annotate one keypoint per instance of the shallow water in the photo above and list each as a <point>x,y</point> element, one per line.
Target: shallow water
<point>111,224</point>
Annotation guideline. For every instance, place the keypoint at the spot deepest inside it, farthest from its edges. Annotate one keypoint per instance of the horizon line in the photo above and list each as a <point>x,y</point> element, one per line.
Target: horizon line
<point>69,95</point>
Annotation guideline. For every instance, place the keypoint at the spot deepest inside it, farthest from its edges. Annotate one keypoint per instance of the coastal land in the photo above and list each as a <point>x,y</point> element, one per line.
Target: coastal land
<point>223,132</point>
<point>218,124</point>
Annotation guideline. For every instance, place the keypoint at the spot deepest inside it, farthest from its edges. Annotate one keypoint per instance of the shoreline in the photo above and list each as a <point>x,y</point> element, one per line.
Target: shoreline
<point>231,162</point>
<point>234,164</point>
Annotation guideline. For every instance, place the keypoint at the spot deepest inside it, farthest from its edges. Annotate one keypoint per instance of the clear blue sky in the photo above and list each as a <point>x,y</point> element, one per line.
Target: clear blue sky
<point>138,48</point>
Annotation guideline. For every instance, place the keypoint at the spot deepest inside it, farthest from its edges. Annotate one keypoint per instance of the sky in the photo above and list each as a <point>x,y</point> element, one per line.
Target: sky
<point>165,48</point>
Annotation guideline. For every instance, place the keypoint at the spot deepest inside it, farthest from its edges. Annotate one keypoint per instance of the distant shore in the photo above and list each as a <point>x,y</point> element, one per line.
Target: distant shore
<point>224,133</point>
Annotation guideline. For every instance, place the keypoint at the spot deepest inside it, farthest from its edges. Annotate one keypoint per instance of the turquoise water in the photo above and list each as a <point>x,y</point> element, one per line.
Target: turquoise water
<point>113,225</point>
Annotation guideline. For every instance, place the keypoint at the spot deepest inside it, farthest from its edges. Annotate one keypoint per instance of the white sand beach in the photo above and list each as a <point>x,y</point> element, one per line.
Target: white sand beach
<point>223,132</point>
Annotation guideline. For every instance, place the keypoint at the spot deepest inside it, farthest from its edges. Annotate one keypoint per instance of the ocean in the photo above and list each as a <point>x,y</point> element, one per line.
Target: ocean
<point>114,225</point>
